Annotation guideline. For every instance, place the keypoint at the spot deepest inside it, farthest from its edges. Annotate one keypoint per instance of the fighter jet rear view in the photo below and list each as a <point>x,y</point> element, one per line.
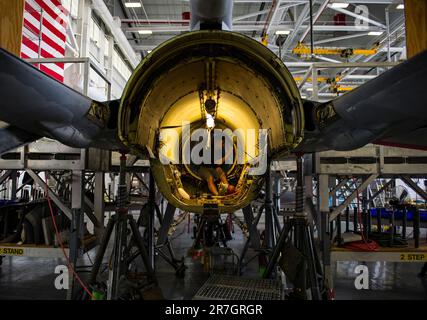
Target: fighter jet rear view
<point>209,71</point>
<point>206,88</point>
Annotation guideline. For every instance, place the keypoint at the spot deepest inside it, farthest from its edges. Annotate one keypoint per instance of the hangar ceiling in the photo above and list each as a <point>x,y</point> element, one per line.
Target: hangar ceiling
<point>374,25</point>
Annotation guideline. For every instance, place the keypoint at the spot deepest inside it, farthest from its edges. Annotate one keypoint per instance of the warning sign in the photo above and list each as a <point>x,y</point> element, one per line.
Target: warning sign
<point>5,251</point>
<point>415,257</point>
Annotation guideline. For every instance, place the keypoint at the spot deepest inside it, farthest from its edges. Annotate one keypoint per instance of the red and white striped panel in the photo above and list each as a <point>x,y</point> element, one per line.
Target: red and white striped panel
<point>44,34</point>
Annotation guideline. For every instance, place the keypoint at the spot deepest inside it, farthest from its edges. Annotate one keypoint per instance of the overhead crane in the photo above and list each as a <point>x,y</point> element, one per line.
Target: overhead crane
<point>332,81</point>
<point>303,50</point>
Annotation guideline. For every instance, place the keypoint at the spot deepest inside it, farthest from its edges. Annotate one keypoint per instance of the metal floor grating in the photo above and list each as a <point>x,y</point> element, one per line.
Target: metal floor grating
<point>223,287</point>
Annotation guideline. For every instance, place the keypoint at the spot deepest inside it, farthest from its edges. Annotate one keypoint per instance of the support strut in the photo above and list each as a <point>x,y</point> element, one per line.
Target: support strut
<point>297,236</point>
<point>120,222</point>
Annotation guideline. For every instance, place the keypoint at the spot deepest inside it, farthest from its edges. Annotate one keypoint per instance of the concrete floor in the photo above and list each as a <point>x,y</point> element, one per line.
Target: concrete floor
<point>387,280</point>
<point>33,278</point>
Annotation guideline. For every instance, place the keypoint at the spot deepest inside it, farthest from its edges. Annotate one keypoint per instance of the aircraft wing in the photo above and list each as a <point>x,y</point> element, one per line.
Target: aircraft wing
<point>35,105</point>
<point>12,137</point>
<point>390,110</point>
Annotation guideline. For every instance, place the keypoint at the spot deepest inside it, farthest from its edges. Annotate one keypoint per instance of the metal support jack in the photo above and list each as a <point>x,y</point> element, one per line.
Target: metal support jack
<point>76,230</point>
<point>151,218</point>
<point>253,239</point>
<point>120,222</point>
<point>210,241</point>
<point>299,258</point>
<point>163,240</point>
<point>148,213</point>
<point>272,226</point>
<point>210,231</point>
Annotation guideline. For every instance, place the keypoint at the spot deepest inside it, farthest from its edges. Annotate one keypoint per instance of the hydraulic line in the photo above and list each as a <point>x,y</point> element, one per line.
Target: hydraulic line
<point>58,235</point>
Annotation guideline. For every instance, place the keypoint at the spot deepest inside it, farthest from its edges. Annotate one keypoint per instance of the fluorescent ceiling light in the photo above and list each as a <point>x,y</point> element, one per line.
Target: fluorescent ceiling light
<point>282,32</point>
<point>133,4</point>
<point>400,6</point>
<point>145,32</point>
<point>339,5</point>
<point>375,33</point>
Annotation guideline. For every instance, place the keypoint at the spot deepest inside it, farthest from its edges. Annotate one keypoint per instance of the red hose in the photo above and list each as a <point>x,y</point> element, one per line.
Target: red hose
<point>364,245</point>
<point>70,267</point>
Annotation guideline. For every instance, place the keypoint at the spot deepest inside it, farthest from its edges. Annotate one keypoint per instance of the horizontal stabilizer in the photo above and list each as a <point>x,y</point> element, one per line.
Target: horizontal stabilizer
<point>390,109</point>
<point>38,104</point>
<point>12,137</point>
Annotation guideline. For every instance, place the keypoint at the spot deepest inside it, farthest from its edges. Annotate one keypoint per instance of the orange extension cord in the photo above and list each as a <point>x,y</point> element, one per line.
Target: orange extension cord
<point>70,267</point>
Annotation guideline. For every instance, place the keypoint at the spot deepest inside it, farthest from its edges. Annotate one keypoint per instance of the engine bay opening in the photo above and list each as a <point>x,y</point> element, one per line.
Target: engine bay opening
<point>221,174</point>
<point>202,82</point>
<point>207,142</point>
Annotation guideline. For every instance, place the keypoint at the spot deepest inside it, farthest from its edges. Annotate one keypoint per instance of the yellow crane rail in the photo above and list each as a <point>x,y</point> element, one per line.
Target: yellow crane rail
<point>319,79</point>
<point>302,50</point>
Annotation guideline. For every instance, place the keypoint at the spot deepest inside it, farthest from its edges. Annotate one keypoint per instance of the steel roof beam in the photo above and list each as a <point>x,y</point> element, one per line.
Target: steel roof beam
<point>369,1</point>
<point>357,16</point>
<point>315,18</point>
<point>351,36</point>
<point>290,39</point>
<point>261,12</point>
<point>243,28</point>
<point>332,1</point>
